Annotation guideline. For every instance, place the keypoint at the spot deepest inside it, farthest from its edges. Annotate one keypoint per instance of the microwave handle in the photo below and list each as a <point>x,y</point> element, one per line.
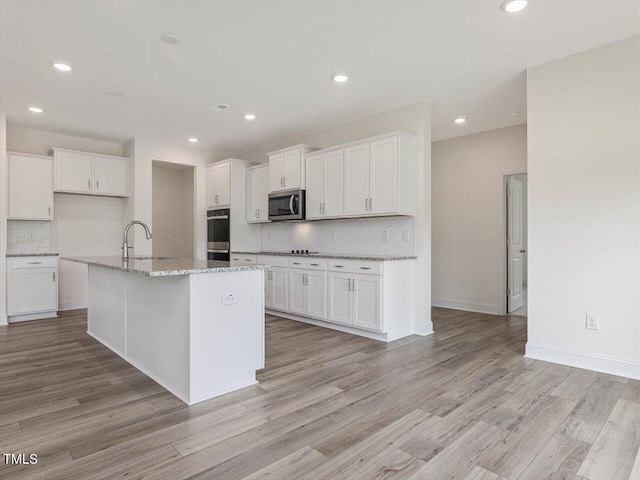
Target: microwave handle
<point>291,205</point>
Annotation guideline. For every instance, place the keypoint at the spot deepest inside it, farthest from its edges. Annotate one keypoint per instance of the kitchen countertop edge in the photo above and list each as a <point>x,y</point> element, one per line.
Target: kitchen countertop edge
<point>17,255</point>
<point>372,258</point>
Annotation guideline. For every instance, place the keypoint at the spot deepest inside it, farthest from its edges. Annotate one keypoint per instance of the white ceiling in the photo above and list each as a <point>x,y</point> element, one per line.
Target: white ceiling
<point>275,59</point>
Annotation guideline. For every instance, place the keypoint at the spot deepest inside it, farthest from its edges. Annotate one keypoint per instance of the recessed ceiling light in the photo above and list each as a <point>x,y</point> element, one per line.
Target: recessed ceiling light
<point>170,38</point>
<point>193,140</point>
<point>114,93</point>
<point>515,113</point>
<point>340,78</point>
<point>36,110</point>
<point>63,67</point>
<point>513,6</point>
<point>460,120</point>
<point>249,116</point>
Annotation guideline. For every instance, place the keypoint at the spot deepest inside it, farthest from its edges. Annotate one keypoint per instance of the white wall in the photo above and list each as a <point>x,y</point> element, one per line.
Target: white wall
<point>172,211</point>
<point>78,219</point>
<point>414,119</point>
<point>139,205</point>
<point>584,208</point>
<point>468,217</point>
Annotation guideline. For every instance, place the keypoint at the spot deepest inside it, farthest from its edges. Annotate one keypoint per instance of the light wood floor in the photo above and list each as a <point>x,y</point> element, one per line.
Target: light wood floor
<point>461,404</point>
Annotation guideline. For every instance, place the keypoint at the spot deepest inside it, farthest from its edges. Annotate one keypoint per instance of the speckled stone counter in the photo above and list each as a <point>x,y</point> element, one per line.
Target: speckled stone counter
<point>15,255</point>
<point>162,266</point>
<point>347,256</point>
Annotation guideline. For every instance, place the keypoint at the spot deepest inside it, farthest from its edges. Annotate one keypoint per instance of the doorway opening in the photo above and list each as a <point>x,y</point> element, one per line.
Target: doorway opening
<point>516,244</point>
<point>173,209</point>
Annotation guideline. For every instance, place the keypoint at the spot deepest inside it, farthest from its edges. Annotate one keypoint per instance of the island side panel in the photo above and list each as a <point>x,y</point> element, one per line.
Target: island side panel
<point>227,341</point>
<point>157,329</point>
<point>106,301</point>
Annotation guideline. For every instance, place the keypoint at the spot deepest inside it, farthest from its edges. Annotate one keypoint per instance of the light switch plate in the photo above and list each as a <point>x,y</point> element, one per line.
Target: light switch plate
<point>593,321</point>
<point>229,299</point>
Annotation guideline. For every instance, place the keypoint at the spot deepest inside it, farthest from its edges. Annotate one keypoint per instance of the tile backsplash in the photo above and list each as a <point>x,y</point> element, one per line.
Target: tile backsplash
<point>28,236</point>
<point>380,235</point>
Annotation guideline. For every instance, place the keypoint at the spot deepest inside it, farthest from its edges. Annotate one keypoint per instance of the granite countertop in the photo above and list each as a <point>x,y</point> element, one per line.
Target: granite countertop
<point>162,266</point>
<point>337,256</point>
<point>49,254</point>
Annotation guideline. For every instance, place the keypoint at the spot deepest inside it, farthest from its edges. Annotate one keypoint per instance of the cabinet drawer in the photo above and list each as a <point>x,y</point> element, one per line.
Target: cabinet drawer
<point>33,262</point>
<point>308,263</point>
<point>273,260</point>
<point>356,266</point>
<point>237,260</point>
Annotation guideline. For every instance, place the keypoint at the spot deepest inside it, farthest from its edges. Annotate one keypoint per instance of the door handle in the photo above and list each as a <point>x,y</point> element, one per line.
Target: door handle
<point>523,251</point>
<point>291,205</point>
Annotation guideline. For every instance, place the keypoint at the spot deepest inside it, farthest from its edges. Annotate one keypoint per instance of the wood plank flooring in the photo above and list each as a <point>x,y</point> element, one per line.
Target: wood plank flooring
<point>460,404</point>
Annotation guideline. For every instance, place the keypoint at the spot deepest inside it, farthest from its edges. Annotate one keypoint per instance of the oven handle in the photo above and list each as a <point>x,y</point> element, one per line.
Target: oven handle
<point>219,217</point>
<point>217,251</point>
<point>291,205</point>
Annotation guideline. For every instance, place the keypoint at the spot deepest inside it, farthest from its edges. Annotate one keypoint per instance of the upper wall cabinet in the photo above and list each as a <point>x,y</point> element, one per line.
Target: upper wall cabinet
<point>30,187</point>
<point>258,194</point>
<point>219,185</point>
<point>372,177</point>
<point>287,168</point>
<point>325,185</point>
<point>90,173</point>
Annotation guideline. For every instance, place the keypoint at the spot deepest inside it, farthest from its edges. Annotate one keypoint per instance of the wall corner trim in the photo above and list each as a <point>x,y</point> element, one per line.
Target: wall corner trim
<point>587,361</point>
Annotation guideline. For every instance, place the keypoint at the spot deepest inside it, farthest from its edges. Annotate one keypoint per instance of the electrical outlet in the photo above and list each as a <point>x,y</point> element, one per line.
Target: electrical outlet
<point>405,236</point>
<point>229,299</point>
<point>334,236</point>
<point>99,237</point>
<point>593,321</point>
<point>385,236</point>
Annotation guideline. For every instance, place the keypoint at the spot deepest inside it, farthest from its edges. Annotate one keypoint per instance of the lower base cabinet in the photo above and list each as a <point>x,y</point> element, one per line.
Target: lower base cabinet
<point>307,292</point>
<point>354,299</point>
<point>276,293</point>
<point>32,285</point>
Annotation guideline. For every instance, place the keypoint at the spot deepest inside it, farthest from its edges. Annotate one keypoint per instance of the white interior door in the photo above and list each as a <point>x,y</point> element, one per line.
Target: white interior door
<point>514,244</point>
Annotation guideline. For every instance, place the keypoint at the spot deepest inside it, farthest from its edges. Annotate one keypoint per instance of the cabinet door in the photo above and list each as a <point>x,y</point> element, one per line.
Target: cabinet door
<point>252,194</point>
<point>356,180</point>
<point>279,282</point>
<point>366,301</point>
<point>316,294</point>
<point>339,297</point>
<point>333,184</point>
<point>262,203</point>
<point>315,186</point>
<point>223,184</point>
<point>292,169</point>
<point>30,188</point>
<point>33,290</point>
<point>111,176</point>
<point>276,172</point>
<point>268,289</point>
<point>297,291</point>
<point>384,177</point>
<point>211,187</point>
<point>73,172</point>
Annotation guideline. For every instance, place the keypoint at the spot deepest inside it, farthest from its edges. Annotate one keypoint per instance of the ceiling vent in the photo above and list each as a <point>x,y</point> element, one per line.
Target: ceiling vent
<point>222,106</point>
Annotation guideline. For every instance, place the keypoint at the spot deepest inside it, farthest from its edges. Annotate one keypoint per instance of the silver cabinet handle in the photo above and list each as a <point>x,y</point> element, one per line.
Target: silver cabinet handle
<point>49,210</point>
<point>354,284</point>
<point>35,263</point>
<point>284,181</point>
<point>320,208</point>
<point>370,205</point>
<point>315,264</point>
<point>89,184</point>
<point>339,266</point>
<point>296,263</point>
<point>258,214</point>
<point>350,281</point>
<point>54,276</point>
<point>365,268</point>
<point>97,184</point>
<point>366,204</point>
<point>247,260</point>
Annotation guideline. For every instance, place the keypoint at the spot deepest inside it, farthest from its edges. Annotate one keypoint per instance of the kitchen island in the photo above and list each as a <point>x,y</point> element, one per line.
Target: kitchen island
<point>194,326</point>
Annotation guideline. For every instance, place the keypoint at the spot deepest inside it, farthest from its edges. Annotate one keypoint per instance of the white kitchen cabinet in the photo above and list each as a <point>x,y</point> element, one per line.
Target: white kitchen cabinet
<point>287,168</point>
<point>110,175</point>
<point>383,176</point>
<point>354,299</point>
<point>258,194</point>
<point>238,260</point>
<point>90,173</point>
<point>30,187</point>
<point>356,179</point>
<point>325,185</point>
<point>276,288</point>
<point>219,185</point>
<point>32,287</point>
<point>307,292</point>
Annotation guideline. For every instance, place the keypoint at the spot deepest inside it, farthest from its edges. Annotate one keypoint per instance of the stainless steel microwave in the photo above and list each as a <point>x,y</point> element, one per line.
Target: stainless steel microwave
<point>287,205</point>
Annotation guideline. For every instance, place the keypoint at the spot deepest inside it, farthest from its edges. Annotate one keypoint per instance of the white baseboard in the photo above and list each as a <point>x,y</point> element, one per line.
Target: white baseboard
<point>31,316</point>
<point>3,320</point>
<point>466,306</point>
<point>598,363</point>
<point>423,330</point>
<point>73,304</point>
